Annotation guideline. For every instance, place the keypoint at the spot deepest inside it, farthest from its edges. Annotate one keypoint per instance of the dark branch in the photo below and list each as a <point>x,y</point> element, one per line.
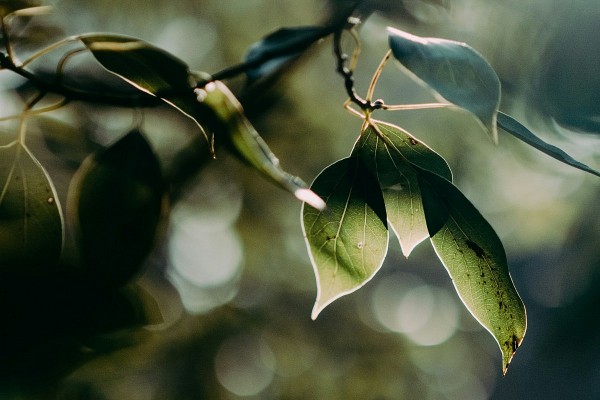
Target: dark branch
<point>348,75</point>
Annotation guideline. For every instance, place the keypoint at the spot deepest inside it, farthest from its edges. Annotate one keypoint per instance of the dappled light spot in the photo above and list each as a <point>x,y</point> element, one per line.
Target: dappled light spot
<point>244,365</point>
<point>204,267</point>
<point>174,37</point>
<point>454,371</point>
<point>205,250</point>
<point>387,297</point>
<point>427,315</point>
<point>442,319</point>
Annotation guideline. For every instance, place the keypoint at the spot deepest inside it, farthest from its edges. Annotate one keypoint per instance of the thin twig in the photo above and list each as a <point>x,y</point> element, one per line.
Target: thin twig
<point>39,111</point>
<point>420,106</point>
<point>346,72</point>
<point>377,74</point>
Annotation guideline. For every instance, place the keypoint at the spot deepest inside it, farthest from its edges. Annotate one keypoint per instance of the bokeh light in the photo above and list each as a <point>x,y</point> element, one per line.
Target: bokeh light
<point>205,251</point>
<point>245,365</point>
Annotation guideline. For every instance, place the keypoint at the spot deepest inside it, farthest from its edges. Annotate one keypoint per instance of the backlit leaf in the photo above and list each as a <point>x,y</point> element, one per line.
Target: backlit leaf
<point>454,70</point>
<point>390,153</point>
<point>280,47</point>
<point>475,259</point>
<point>31,224</point>
<point>348,240</point>
<point>117,201</point>
<point>226,118</point>
<point>515,128</point>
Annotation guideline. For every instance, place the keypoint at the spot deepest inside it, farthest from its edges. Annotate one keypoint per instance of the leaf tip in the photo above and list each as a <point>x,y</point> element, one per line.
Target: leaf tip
<point>508,352</point>
<point>310,197</point>
<point>316,311</point>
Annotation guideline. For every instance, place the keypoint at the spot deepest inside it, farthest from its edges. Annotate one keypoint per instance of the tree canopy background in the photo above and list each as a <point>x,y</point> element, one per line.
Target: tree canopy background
<point>222,311</point>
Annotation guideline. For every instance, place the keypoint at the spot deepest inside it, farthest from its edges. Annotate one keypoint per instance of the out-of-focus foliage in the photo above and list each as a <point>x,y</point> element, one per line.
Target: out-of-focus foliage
<point>411,339</point>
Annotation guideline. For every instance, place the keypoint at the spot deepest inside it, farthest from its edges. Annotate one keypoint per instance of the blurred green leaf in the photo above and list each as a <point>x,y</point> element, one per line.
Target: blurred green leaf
<point>475,259</point>
<point>70,142</point>
<point>226,116</point>
<point>389,151</point>
<point>348,240</point>
<point>280,47</point>
<point>13,6</point>
<point>31,224</point>
<point>118,198</point>
<point>454,70</point>
<point>515,128</point>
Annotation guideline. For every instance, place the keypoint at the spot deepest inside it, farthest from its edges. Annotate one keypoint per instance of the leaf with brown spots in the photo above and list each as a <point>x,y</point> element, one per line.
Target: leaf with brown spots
<point>475,259</point>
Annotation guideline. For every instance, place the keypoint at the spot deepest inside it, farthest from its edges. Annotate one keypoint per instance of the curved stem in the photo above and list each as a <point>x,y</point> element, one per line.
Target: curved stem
<point>421,106</point>
<point>377,74</point>
<point>38,111</point>
<point>357,49</point>
<point>63,61</point>
<point>5,38</point>
<point>23,122</point>
<point>346,72</point>
<point>47,50</point>
<point>348,107</point>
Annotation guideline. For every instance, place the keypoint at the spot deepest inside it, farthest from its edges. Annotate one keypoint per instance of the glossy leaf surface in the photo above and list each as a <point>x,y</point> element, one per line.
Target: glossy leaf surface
<point>235,131</point>
<point>475,259</point>
<point>31,225</point>
<point>515,128</point>
<point>454,70</point>
<point>117,201</point>
<point>348,240</point>
<point>390,153</point>
<point>280,47</point>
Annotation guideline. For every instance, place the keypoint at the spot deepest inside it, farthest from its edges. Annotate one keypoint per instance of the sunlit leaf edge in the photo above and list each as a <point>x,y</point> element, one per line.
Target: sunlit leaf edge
<point>490,126</point>
<point>320,305</point>
<point>518,130</point>
<point>508,344</point>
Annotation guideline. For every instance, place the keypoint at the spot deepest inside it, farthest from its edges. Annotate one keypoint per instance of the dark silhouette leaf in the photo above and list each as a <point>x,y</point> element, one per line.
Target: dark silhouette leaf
<point>454,70</point>
<point>31,224</point>
<point>515,128</point>
<point>475,259</point>
<point>148,68</point>
<point>143,65</point>
<point>118,198</point>
<point>348,240</point>
<point>280,47</point>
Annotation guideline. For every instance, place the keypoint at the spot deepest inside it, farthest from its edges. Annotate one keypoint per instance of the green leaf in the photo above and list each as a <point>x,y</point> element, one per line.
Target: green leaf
<point>143,65</point>
<point>390,153</point>
<point>475,259</point>
<point>348,240</point>
<point>149,69</point>
<point>31,223</point>
<point>515,128</point>
<point>21,8</point>
<point>280,47</point>
<point>454,70</point>
<point>117,201</point>
<point>225,115</point>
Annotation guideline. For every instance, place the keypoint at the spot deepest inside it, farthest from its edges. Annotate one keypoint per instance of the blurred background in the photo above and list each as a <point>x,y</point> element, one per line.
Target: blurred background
<point>222,309</point>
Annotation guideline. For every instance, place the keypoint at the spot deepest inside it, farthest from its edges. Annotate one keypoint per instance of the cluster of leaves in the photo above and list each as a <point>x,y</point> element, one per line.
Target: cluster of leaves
<point>390,179</point>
